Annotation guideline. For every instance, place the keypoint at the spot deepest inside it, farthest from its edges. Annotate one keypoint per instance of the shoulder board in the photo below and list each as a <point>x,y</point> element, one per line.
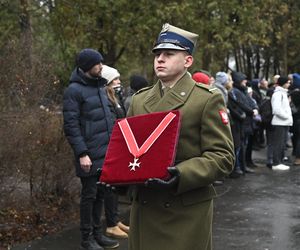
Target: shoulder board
<point>206,87</point>
<point>143,89</point>
<point>213,89</point>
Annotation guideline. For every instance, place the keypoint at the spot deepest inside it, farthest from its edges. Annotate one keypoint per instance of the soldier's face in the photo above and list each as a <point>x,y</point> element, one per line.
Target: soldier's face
<point>171,64</point>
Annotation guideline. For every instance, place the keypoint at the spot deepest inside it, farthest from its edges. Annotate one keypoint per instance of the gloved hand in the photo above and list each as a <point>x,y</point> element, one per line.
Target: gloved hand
<point>119,190</point>
<point>157,183</point>
<point>107,187</point>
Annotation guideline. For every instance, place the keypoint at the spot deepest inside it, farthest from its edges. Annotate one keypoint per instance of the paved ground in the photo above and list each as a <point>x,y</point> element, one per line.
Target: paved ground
<point>258,211</point>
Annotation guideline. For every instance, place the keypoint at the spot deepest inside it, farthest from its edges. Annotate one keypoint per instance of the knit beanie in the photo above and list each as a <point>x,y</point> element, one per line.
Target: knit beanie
<point>221,78</point>
<point>201,78</point>
<point>296,80</point>
<point>88,58</point>
<point>238,77</point>
<point>109,73</point>
<point>282,80</point>
<point>137,82</point>
<point>254,82</point>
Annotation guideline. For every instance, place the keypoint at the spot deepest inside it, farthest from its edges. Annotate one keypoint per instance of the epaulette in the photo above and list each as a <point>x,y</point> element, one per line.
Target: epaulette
<point>143,89</point>
<point>206,87</point>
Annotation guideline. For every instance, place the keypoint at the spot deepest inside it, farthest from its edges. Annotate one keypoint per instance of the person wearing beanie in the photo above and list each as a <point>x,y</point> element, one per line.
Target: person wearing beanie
<point>296,81</point>
<point>88,58</point>
<point>282,120</point>
<point>114,227</point>
<point>200,77</point>
<point>238,78</point>
<point>242,109</point>
<point>204,153</point>
<point>137,82</point>
<point>114,87</point>
<point>111,74</point>
<point>221,82</point>
<point>282,80</point>
<point>88,123</point>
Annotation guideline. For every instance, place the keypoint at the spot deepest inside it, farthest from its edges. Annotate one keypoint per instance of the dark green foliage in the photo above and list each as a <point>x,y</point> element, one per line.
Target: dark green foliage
<point>262,36</point>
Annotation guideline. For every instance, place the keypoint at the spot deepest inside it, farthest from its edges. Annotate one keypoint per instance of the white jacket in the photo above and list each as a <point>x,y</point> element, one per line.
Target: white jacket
<point>282,113</point>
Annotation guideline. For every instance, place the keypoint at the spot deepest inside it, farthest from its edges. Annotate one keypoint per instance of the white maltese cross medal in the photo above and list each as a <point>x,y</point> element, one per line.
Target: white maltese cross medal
<point>134,164</point>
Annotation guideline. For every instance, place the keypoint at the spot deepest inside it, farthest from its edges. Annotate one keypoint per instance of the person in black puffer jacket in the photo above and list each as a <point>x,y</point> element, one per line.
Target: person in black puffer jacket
<point>241,112</point>
<point>88,123</point>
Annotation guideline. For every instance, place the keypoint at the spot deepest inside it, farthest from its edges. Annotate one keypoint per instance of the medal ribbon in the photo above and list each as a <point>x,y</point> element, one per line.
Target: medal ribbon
<point>130,139</point>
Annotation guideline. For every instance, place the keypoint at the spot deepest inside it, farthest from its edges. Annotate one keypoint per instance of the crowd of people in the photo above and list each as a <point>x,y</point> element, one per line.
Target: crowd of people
<point>262,114</point>
<point>205,154</point>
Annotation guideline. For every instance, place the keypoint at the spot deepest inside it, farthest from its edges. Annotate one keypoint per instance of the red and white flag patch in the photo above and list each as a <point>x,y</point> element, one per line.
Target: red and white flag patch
<point>224,116</point>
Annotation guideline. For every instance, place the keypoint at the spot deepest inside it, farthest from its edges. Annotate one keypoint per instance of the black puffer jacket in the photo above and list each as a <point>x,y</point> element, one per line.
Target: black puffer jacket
<point>88,120</point>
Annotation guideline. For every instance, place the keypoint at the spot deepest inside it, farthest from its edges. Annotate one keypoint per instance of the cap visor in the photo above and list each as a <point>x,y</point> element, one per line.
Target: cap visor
<point>167,46</point>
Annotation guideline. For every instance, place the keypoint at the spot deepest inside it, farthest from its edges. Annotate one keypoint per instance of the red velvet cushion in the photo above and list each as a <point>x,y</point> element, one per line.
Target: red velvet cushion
<point>154,163</point>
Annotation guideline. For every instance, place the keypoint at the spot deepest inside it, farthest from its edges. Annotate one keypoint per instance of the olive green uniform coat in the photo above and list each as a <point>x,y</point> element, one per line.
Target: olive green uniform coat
<point>181,219</point>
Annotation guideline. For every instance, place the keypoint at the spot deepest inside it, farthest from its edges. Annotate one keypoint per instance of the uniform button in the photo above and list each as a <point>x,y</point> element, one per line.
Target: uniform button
<point>167,205</point>
<point>144,202</point>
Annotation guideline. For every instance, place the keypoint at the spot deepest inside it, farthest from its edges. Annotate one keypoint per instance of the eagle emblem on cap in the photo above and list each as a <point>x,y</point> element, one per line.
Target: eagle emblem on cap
<point>165,27</point>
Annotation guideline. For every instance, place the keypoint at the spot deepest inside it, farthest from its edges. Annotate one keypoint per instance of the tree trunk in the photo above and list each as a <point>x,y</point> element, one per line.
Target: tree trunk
<point>26,33</point>
<point>284,55</point>
<point>249,64</point>
<point>237,63</point>
<point>267,66</point>
<point>257,65</point>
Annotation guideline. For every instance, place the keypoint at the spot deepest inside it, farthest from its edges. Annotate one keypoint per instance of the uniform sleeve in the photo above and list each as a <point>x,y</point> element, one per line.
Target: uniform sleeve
<point>71,114</point>
<point>217,157</point>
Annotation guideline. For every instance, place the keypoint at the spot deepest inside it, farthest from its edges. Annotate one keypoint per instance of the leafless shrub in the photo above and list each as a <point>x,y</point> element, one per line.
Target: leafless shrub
<point>35,159</point>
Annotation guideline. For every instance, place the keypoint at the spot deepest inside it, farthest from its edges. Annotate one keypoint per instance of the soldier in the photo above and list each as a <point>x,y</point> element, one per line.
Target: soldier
<point>177,213</point>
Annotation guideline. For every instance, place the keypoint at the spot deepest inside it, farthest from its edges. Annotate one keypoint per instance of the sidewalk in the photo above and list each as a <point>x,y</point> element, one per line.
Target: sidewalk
<point>258,211</point>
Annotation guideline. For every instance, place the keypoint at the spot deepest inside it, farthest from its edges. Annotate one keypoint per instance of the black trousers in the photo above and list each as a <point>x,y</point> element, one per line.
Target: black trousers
<point>278,140</point>
<point>91,203</point>
<point>249,148</point>
<point>111,209</point>
<point>296,138</point>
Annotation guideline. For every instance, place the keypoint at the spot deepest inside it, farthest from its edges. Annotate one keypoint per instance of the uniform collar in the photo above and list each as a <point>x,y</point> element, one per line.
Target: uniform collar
<point>173,99</point>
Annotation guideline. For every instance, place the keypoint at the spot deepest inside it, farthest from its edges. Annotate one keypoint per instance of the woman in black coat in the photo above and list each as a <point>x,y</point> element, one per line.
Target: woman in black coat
<point>115,228</point>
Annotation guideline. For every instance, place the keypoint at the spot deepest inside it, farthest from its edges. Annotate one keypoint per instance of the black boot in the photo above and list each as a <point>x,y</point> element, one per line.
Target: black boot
<point>106,242</point>
<point>90,244</point>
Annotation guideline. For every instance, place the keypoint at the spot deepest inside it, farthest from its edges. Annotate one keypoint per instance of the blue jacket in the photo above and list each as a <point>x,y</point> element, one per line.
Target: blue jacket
<point>88,119</point>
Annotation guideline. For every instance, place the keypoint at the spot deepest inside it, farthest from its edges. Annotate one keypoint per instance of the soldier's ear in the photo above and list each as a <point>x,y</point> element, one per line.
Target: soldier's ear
<point>188,61</point>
